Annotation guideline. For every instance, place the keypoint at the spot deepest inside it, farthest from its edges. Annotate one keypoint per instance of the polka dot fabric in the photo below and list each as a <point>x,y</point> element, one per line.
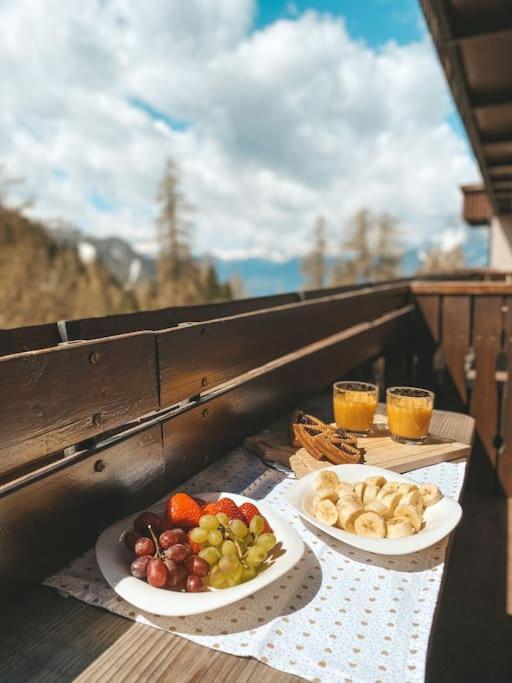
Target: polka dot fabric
<point>340,614</point>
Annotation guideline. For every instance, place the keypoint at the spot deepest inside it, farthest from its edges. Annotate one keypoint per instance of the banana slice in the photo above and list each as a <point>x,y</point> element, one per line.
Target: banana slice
<point>327,493</point>
<point>345,487</point>
<point>409,512</point>
<point>326,479</point>
<point>399,527</point>
<point>390,500</point>
<point>370,524</point>
<point>359,489</point>
<point>392,485</point>
<point>378,507</point>
<point>378,481</point>
<point>370,493</point>
<point>347,514</point>
<point>326,512</point>
<point>404,488</point>
<point>430,494</point>
<point>413,498</point>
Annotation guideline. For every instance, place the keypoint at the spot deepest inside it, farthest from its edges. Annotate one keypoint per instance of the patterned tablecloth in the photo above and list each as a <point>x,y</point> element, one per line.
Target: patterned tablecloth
<point>341,614</point>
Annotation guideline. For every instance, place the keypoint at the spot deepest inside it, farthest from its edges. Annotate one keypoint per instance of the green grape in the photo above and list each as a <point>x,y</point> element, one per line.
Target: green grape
<point>211,555</point>
<point>257,525</point>
<point>267,541</point>
<point>235,576</point>
<point>255,555</point>
<point>229,548</point>
<point>215,537</point>
<point>208,522</point>
<point>248,574</point>
<point>222,518</point>
<point>249,540</point>
<point>199,535</point>
<point>217,579</point>
<point>238,528</point>
<point>228,563</point>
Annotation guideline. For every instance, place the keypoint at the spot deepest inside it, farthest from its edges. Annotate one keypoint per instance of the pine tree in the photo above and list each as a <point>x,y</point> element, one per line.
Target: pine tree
<point>356,254</point>
<point>389,253</point>
<point>178,277</point>
<point>314,264</point>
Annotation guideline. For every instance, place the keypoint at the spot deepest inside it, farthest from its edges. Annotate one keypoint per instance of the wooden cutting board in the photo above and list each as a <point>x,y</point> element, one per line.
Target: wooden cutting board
<point>381,451</point>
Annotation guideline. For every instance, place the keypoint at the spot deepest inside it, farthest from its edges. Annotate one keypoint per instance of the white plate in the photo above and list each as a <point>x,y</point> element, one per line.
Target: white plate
<point>114,562</point>
<point>440,518</point>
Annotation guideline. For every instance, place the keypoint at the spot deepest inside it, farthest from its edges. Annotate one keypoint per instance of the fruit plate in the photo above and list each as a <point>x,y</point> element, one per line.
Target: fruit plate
<point>114,562</point>
<point>440,519</point>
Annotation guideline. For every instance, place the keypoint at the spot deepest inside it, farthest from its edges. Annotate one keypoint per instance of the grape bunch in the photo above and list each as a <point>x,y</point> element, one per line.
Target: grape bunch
<point>233,551</point>
<point>163,555</point>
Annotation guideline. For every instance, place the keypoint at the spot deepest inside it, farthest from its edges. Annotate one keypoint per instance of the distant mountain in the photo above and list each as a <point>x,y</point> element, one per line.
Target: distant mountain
<point>128,266</point>
<point>260,276</point>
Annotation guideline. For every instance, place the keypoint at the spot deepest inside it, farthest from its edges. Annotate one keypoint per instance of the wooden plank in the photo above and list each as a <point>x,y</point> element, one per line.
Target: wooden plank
<point>462,288</point>
<point>195,437</point>
<point>52,519</point>
<point>94,328</point>
<point>429,310</point>
<point>56,398</point>
<point>20,339</point>
<point>487,326</point>
<point>505,456</point>
<point>199,357</point>
<point>69,640</point>
<point>425,342</point>
<point>456,312</point>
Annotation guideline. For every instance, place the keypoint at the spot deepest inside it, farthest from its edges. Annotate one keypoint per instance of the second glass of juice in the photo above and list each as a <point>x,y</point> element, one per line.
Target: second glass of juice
<point>409,413</point>
<point>354,406</point>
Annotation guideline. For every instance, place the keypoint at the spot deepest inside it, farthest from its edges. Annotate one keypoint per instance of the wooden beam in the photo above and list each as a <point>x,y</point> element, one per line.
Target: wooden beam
<point>462,288</point>
<point>499,30</point>
<point>499,98</point>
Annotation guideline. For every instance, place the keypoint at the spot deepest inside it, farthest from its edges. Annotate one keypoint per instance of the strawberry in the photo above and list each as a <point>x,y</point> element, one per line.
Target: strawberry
<point>225,505</point>
<point>249,510</point>
<point>195,546</point>
<point>183,511</point>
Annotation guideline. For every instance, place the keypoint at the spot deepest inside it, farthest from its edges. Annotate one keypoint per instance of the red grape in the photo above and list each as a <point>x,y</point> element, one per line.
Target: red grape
<point>197,566</point>
<point>130,539</point>
<point>145,519</point>
<point>144,546</point>
<point>168,538</point>
<point>139,566</point>
<point>193,583</point>
<point>175,575</point>
<point>182,536</point>
<point>157,573</point>
<point>177,552</point>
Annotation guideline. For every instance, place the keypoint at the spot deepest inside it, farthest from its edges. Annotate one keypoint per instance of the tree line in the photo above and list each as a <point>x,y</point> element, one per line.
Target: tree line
<point>370,250</point>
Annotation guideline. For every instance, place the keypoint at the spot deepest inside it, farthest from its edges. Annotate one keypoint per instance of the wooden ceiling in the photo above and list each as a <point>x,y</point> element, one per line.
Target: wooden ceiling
<point>474,42</point>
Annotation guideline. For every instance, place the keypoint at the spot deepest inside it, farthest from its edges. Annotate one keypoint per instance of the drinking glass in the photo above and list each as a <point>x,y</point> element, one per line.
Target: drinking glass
<point>409,413</point>
<point>354,406</point>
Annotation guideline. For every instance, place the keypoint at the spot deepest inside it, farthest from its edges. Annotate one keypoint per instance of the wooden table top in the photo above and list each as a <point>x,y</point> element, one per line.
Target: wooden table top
<point>45,637</point>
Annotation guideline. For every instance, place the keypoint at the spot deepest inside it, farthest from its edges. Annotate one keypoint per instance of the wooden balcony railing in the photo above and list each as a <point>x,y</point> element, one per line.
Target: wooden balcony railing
<point>130,406</point>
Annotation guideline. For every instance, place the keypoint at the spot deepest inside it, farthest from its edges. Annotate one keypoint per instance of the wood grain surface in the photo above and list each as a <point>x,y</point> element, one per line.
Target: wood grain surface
<point>52,519</point>
<point>198,357</point>
<point>56,398</point>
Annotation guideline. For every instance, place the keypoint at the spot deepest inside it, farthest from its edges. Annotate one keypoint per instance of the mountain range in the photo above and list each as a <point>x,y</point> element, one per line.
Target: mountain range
<point>260,276</point>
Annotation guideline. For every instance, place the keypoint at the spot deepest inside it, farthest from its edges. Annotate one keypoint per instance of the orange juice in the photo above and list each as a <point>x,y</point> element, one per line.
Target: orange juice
<point>409,412</point>
<point>354,405</point>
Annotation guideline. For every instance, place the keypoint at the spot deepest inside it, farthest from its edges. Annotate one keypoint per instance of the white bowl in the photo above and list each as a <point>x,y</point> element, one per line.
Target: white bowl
<point>440,519</point>
<point>114,562</point>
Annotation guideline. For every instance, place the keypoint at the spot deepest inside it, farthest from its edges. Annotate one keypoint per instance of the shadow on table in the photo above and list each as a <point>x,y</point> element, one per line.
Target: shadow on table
<point>289,594</point>
<point>413,562</point>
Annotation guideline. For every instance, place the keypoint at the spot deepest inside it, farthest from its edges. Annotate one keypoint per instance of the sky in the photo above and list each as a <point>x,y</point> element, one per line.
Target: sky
<point>274,111</point>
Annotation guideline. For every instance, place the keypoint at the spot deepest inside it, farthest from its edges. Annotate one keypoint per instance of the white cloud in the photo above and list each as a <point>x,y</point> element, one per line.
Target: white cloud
<point>281,124</point>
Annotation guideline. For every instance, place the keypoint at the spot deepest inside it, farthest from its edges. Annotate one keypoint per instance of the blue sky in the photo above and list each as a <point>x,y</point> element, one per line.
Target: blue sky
<point>374,21</point>
<point>272,113</point>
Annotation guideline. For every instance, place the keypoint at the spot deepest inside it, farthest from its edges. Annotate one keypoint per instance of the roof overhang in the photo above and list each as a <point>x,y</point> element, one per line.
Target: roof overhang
<point>474,42</point>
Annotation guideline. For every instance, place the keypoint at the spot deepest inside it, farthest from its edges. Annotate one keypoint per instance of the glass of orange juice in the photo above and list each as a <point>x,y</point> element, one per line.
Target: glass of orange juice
<point>409,413</point>
<point>354,406</point>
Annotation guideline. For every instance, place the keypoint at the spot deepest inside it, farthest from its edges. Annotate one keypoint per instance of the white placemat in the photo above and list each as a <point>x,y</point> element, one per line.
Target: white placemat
<point>340,615</point>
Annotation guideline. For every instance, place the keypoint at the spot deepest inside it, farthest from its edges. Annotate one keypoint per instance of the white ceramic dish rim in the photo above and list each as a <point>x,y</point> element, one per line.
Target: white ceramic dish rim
<point>440,518</point>
<point>114,560</point>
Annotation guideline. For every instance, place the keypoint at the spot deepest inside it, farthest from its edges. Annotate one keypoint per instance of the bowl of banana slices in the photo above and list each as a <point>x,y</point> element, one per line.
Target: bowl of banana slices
<point>373,509</point>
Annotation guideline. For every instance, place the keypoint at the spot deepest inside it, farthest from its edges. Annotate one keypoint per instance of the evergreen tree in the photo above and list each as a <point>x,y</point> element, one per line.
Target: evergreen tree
<point>314,264</point>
